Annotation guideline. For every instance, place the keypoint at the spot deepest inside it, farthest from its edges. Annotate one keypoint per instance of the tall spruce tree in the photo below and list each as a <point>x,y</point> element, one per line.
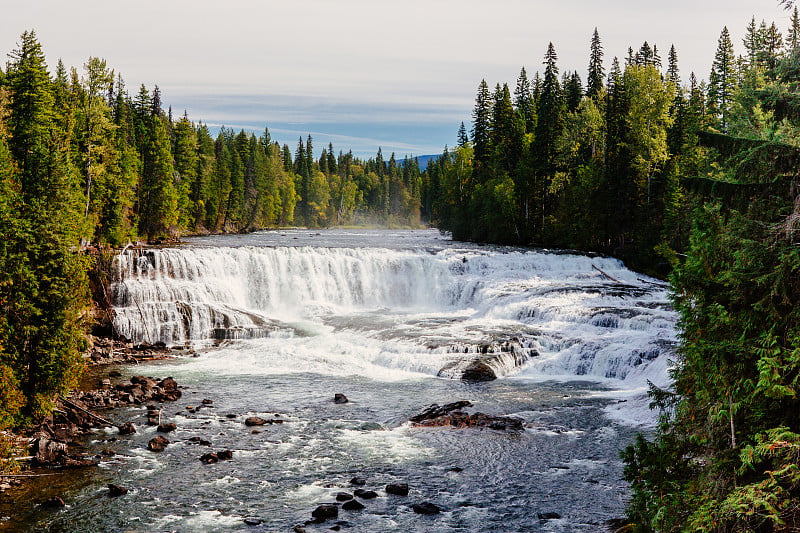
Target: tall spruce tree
<point>594,81</point>
<point>722,80</point>
<point>481,126</point>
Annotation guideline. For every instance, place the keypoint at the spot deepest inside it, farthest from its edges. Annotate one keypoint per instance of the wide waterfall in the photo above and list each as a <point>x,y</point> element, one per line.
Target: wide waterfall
<point>430,310</point>
<point>282,321</point>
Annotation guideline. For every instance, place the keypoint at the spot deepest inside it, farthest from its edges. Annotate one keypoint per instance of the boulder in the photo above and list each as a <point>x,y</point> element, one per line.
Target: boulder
<point>548,516</point>
<point>53,502</point>
<point>352,505</point>
<point>126,429</point>
<point>209,458</point>
<point>252,521</point>
<point>365,494</point>
<point>343,496</point>
<point>166,428</point>
<point>157,444</point>
<point>340,398</point>
<point>325,511</point>
<point>116,490</point>
<point>436,411</point>
<point>398,489</point>
<point>478,371</point>
<point>358,481</point>
<point>254,421</point>
<point>48,452</point>
<point>225,454</point>
<point>426,508</point>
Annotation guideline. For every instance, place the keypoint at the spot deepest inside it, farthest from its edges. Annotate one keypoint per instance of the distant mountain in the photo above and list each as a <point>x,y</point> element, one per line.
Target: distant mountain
<point>423,160</point>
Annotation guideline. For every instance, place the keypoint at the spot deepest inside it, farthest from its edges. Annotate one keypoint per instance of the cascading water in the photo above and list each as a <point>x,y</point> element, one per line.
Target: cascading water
<point>419,309</point>
<point>286,319</point>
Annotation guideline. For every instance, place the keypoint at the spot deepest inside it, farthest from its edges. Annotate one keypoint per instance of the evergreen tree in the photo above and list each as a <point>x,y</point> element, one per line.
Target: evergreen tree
<point>721,81</point>
<point>524,102</point>
<point>481,124</point>
<point>793,35</point>
<point>594,81</point>
<point>463,138</point>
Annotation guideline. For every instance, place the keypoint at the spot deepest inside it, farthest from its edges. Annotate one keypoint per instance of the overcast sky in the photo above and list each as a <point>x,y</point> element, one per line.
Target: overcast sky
<point>359,73</point>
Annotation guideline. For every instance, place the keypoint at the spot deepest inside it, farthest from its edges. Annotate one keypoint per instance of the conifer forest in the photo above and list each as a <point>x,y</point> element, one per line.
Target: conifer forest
<point>693,178</point>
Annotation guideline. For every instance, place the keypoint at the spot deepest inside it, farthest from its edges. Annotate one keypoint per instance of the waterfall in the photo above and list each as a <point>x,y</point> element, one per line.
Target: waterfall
<point>441,310</point>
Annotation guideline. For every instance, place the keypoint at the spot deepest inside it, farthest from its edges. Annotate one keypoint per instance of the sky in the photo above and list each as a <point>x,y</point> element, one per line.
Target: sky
<point>360,74</point>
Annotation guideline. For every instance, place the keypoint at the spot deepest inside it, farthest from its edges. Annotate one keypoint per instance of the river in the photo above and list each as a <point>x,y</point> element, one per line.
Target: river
<point>283,320</point>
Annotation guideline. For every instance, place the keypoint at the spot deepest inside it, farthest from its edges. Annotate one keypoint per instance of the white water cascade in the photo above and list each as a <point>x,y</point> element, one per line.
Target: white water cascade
<point>434,311</point>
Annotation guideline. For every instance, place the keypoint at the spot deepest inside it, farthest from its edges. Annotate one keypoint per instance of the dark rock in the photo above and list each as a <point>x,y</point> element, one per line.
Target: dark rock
<point>145,382</point>
<point>459,419</point>
<point>548,516</point>
<point>352,505</point>
<point>299,529</point>
<point>157,444</point>
<point>105,383</point>
<point>230,416</point>
<point>325,511</point>
<point>336,528</point>
<point>340,398</point>
<point>254,421</point>
<point>343,496</point>
<point>478,371</point>
<point>426,508</point>
<point>225,454</point>
<point>166,428</point>
<point>398,489</point>
<point>209,458</point>
<point>204,442</point>
<point>455,469</point>
<point>53,502</point>
<point>358,481</point>
<point>365,494</point>
<point>436,411</point>
<point>152,421</point>
<point>252,521</point>
<point>115,374</point>
<point>208,402</point>
<point>116,490</point>
<point>49,452</point>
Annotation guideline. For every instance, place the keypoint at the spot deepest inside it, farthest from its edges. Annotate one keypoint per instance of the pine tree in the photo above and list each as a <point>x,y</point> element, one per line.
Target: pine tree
<point>523,101</point>
<point>573,91</point>
<point>158,201</point>
<point>463,138</point>
<point>673,73</point>
<point>481,123</point>
<point>752,43</point>
<point>721,81</point>
<point>793,35</point>
<point>594,81</point>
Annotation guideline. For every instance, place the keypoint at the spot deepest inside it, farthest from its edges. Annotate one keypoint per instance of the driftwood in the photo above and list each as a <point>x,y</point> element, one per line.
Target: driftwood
<point>606,275</point>
<point>78,407</point>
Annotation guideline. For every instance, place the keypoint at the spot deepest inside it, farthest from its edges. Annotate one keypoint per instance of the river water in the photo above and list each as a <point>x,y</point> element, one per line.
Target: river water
<point>283,320</point>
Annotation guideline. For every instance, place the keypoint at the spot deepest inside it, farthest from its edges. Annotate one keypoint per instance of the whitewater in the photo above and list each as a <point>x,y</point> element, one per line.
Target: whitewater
<point>396,320</point>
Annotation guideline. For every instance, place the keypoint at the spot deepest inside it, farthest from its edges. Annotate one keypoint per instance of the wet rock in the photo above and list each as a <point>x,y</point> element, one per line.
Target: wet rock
<point>398,489</point>
<point>166,428</point>
<point>340,398</point>
<point>209,458</point>
<point>336,528</point>
<point>252,521</point>
<point>114,374</point>
<point>352,505</point>
<point>208,402</point>
<point>105,383</point>
<point>254,421</point>
<point>225,454</point>
<point>116,490</point>
<point>460,419</point>
<point>358,481</point>
<point>478,371</point>
<point>48,452</point>
<point>365,494</point>
<point>426,508</point>
<point>230,416</point>
<point>548,516</point>
<point>157,444</point>
<point>343,496</point>
<point>299,529</point>
<point>53,502</point>
<point>436,411</point>
<point>144,382</point>
<point>325,511</point>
